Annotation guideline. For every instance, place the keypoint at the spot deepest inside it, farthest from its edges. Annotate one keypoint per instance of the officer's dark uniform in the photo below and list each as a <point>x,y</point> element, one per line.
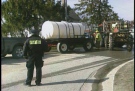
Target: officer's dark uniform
<point>33,50</point>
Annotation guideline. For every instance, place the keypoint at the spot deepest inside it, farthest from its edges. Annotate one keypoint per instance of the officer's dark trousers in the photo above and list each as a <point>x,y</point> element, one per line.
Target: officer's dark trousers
<point>30,67</point>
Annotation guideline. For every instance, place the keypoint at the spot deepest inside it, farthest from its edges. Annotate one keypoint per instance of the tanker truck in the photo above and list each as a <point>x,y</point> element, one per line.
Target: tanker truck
<point>66,36</point>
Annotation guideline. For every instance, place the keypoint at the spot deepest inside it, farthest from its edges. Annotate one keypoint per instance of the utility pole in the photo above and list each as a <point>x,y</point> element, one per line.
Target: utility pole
<point>99,12</point>
<point>65,3</point>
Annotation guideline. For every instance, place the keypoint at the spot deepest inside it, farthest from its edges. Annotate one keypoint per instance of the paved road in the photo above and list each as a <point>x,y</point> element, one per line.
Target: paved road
<point>73,71</point>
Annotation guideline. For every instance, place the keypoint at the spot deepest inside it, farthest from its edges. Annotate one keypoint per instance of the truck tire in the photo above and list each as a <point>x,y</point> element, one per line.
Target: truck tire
<point>106,39</point>
<point>17,52</point>
<point>87,46</point>
<point>62,47</point>
<point>130,43</point>
<point>129,47</point>
<point>111,43</point>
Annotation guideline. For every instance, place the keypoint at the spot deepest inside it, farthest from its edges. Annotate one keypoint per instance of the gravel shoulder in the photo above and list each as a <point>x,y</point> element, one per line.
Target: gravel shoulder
<point>124,78</point>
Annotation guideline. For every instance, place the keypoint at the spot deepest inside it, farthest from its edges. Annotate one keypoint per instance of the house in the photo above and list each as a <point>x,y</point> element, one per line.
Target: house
<point>73,17</point>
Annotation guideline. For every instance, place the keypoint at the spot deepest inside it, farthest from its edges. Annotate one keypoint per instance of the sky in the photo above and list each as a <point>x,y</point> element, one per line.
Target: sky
<point>124,8</point>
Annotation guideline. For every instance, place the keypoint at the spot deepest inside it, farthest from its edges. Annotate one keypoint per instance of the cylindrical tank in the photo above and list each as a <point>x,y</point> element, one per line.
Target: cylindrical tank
<point>53,30</point>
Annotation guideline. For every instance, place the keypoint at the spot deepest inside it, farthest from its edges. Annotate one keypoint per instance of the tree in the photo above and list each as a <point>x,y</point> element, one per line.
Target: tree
<point>95,11</point>
<point>25,14</point>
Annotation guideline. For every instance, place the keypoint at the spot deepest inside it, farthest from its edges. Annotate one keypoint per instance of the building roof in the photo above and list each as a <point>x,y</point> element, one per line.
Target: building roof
<point>73,16</point>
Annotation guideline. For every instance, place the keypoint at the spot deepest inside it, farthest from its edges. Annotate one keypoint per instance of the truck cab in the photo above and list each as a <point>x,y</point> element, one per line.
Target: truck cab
<point>12,45</point>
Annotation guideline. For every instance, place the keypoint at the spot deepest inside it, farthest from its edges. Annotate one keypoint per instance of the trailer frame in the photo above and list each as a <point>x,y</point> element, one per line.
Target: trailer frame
<point>65,44</point>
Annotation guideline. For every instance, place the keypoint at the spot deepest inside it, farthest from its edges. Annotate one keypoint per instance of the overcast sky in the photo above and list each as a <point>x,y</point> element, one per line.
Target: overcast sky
<point>124,8</point>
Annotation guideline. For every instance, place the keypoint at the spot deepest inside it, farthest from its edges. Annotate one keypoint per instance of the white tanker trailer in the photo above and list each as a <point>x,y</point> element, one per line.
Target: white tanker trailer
<point>65,35</point>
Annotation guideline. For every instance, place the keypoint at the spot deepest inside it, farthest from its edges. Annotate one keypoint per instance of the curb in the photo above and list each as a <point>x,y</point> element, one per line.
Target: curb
<point>108,84</point>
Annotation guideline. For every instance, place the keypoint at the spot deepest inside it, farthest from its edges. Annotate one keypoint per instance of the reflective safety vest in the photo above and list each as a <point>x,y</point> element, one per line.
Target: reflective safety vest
<point>98,37</point>
<point>35,42</point>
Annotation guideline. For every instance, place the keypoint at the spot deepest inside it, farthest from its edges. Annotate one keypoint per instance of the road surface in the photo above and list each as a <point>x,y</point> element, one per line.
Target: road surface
<point>74,71</point>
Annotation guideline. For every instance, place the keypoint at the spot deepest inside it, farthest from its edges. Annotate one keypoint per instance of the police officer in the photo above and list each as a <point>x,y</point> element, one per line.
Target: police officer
<point>33,50</point>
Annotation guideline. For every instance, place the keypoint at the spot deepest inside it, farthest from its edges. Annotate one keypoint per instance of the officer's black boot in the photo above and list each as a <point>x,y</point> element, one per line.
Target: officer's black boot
<point>29,76</point>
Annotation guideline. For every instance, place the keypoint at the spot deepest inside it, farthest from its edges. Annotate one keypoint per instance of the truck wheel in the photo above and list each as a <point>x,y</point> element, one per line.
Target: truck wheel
<point>129,47</point>
<point>130,44</point>
<point>111,46</point>
<point>111,43</point>
<point>62,47</point>
<point>88,46</point>
<point>106,41</point>
<point>17,52</point>
<point>71,47</point>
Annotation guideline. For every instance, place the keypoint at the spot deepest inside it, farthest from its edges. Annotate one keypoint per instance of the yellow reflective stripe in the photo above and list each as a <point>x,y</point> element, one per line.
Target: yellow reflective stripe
<point>97,35</point>
<point>35,42</point>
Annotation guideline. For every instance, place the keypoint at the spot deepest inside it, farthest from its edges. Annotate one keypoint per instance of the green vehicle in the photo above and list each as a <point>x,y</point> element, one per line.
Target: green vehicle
<point>119,39</point>
<point>12,46</point>
<point>116,34</point>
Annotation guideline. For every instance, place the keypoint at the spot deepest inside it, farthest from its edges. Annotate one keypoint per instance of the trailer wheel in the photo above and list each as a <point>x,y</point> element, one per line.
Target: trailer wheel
<point>17,52</point>
<point>62,47</point>
<point>71,47</point>
<point>88,46</point>
<point>49,48</point>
